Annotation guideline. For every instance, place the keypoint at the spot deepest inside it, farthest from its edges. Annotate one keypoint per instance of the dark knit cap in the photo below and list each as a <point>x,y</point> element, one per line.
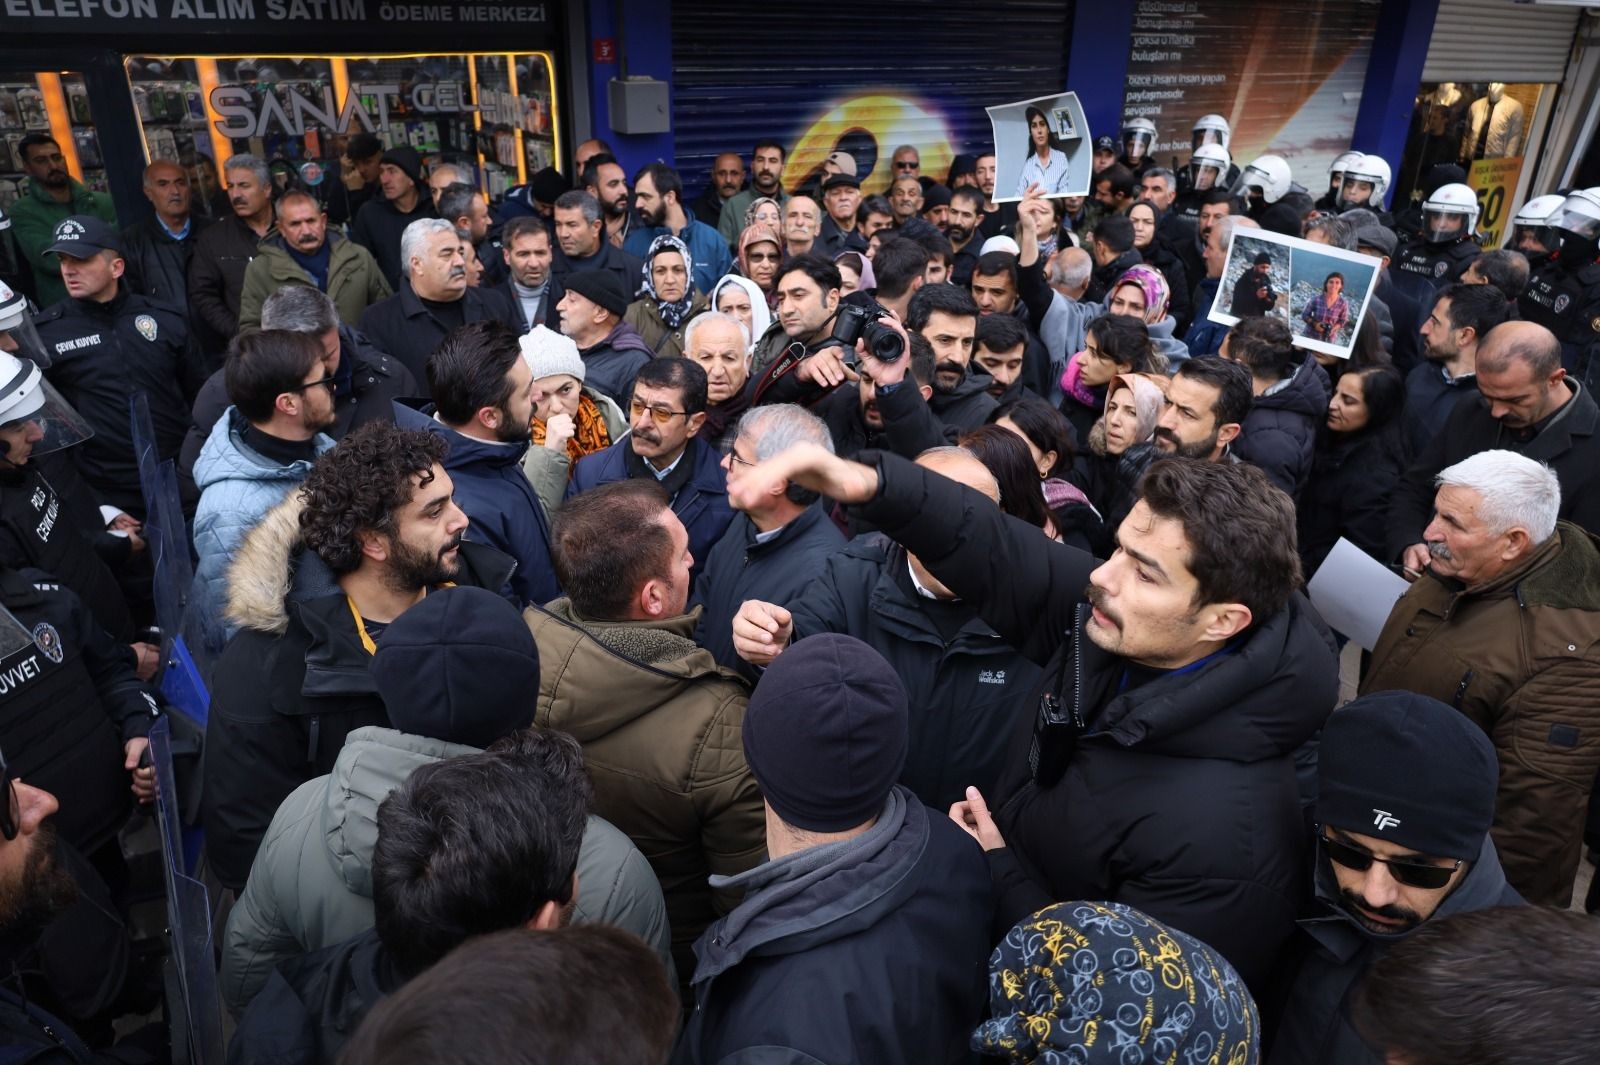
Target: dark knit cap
<point>599,287</point>
<point>460,666</point>
<point>1407,769</point>
<point>936,196</point>
<point>962,165</point>
<point>363,146</point>
<point>406,158</point>
<point>825,733</point>
<point>1262,259</point>
<point>548,185</point>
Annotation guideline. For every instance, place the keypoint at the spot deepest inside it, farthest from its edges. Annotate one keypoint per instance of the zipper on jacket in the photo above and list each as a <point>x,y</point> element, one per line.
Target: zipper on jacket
<point>1461,689</point>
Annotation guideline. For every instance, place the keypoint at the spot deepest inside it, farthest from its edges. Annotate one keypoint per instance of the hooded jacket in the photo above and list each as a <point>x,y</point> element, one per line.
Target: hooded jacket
<point>403,327</point>
<point>238,485</point>
<point>291,684</point>
<point>354,280</point>
<point>311,884</point>
<point>1520,657</point>
<point>968,694</point>
<point>870,949</point>
<point>1133,816</point>
<point>499,501</point>
<point>660,724</point>
<point>609,366</point>
<point>1280,432</point>
<point>1331,952</point>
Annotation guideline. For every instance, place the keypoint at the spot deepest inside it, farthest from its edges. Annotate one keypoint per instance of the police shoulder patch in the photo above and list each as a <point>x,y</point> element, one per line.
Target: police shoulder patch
<point>1561,302</point>
<point>48,641</point>
<point>146,326</point>
<point>1594,323</point>
<point>1440,268</point>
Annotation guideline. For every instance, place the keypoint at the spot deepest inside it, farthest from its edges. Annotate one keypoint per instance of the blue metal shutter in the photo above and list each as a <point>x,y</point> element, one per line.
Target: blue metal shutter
<point>888,74</point>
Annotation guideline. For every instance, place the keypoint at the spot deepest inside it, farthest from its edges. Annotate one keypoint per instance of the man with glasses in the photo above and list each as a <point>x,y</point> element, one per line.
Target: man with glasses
<point>665,415</point>
<point>484,396</point>
<point>258,452</point>
<point>1405,798</point>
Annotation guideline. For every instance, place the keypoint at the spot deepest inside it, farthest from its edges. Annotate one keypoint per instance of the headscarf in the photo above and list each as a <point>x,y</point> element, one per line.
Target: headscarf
<point>1092,982</point>
<point>755,205</point>
<point>1149,396</point>
<point>1147,279</point>
<point>673,313</point>
<point>868,280</point>
<point>760,313</point>
<point>755,234</point>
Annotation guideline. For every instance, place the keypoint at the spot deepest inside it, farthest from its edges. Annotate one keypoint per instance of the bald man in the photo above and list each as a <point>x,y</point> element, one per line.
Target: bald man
<point>159,248</point>
<point>727,179</point>
<point>967,688</point>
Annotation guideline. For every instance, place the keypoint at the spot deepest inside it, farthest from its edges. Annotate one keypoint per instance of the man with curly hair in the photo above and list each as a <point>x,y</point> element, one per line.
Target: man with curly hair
<point>311,591</point>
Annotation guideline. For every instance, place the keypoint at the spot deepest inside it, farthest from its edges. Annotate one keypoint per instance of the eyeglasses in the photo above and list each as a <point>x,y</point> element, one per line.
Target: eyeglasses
<point>1412,874</point>
<point>734,457</point>
<point>763,256</point>
<point>328,382</point>
<point>906,166</point>
<point>11,816</point>
<point>662,415</point>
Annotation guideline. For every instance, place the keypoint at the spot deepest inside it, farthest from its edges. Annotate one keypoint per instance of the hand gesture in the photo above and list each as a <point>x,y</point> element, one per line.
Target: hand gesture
<point>810,466</point>
<point>1415,560</point>
<point>761,631</point>
<point>974,818</point>
<point>825,369</point>
<point>558,429</point>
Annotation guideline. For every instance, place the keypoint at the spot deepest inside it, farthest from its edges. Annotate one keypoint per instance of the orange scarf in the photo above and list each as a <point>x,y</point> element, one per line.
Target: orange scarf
<point>590,436</point>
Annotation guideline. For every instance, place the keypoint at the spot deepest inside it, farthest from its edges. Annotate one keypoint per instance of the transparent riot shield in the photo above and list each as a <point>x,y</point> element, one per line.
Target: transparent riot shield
<point>196,1009</point>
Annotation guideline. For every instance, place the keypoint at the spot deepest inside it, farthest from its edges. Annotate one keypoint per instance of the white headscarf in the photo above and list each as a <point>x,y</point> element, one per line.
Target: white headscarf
<point>760,315</point>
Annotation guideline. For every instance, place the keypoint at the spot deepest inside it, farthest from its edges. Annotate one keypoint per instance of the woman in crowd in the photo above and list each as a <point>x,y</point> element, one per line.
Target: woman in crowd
<point>743,298</point>
<point>1326,315</point>
<point>1143,292</point>
<point>1121,447</point>
<point>764,211</point>
<point>855,270</point>
<point>1046,164</point>
<point>669,299</point>
<point>1146,219</point>
<point>1360,457</point>
<point>1048,437</point>
<point>569,421</point>
<point>727,373</point>
<point>1113,344</point>
<point>760,253</point>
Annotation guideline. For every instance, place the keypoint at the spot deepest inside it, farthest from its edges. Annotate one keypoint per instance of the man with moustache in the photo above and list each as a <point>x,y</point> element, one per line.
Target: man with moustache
<point>948,318</point>
<point>53,196</point>
<point>159,248</point>
<point>373,529</point>
<point>905,199</point>
<point>483,398</point>
<point>224,251</point>
<point>727,180</point>
<point>605,180</point>
<point>766,172</point>
<point>304,251</point>
<point>802,225</point>
<point>966,212</point>
<point>403,198</point>
<point>1205,409</point>
<point>1405,797</point>
<point>658,194</point>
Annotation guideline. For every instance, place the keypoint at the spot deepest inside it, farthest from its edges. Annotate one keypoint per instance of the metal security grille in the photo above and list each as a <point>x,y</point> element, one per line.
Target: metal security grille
<point>863,78</point>
<point>1497,40</point>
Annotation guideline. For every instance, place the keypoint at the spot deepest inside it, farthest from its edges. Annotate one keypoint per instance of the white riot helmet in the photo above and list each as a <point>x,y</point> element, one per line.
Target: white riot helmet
<point>1533,225</point>
<point>1336,171</point>
<point>1269,173</point>
<point>17,333</point>
<point>1369,170</point>
<point>1138,135</point>
<point>1449,202</point>
<point>1578,224</point>
<point>1208,166</point>
<point>1211,129</point>
<point>34,419</point>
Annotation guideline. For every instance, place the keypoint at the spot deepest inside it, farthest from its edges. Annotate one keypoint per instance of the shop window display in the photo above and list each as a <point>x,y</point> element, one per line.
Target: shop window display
<point>52,103</point>
<point>1463,123</point>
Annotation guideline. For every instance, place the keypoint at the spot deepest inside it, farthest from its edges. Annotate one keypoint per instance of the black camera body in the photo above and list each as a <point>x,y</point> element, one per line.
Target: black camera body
<point>859,321</point>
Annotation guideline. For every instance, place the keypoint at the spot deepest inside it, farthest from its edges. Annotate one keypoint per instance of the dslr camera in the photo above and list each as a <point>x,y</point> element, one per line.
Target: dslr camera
<point>859,321</point>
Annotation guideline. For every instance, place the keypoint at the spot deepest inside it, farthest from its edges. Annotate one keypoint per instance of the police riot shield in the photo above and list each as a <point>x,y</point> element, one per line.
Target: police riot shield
<point>165,532</point>
<point>195,1009</point>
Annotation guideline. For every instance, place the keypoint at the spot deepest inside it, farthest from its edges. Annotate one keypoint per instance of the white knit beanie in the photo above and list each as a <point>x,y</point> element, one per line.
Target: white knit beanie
<point>548,353</point>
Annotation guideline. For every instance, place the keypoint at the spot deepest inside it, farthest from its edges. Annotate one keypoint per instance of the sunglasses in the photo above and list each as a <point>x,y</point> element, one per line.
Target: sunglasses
<point>763,256</point>
<point>12,811</point>
<point>661,414</point>
<point>906,166</point>
<point>1412,874</point>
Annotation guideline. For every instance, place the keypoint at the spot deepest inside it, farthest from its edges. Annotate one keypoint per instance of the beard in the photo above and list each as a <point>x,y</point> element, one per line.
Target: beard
<point>513,430</point>
<point>43,890</point>
<point>1199,450</point>
<point>1354,904</point>
<point>956,233</point>
<point>948,369</point>
<point>411,568</point>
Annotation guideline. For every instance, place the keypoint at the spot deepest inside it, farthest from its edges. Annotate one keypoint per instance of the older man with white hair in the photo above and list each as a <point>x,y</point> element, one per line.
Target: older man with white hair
<point>434,298</point>
<point>1504,625</point>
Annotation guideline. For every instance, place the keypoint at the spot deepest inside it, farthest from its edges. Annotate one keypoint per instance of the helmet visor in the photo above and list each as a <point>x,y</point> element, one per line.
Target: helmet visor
<point>1441,226</point>
<point>1535,239</point>
<point>1135,143</point>
<point>1354,193</point>
<point>1205,176</point>
<point>22,340</point>
<point>1250,180</point>
<point>1207,136</point>
<point>39,421</point>
<point>1577,220</point>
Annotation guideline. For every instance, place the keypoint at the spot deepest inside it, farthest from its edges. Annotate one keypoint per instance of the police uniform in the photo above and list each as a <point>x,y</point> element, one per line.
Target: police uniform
<point>69,700</point>
<point>1422,268</point>
<point>1567,302</point>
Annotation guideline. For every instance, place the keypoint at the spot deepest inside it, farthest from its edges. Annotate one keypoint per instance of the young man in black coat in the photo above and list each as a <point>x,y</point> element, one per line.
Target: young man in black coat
<point>1183,687</point>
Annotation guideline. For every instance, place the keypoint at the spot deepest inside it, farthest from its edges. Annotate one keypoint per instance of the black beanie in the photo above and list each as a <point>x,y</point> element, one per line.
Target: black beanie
<point>1408,769</point>
<point>548,184</point>
<point>1262,259</point>
<point>460,666</point>
<point>406,158</point>
<point>599,287</point>
<point>936,196</point>
<point>825,733</point>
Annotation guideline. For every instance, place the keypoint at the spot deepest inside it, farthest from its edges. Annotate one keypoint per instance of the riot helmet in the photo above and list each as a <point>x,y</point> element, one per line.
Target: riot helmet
<point>34,419</point>
<point>1366,183</point>
<point>1533,232</point>
<point>1138,137</point>
<point>1208,166</point>
<point>1450,214</point>
<point>1269,175</point>
<point>1211,129</point>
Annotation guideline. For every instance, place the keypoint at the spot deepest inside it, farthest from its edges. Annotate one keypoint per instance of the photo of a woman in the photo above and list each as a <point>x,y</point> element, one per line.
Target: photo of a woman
<point>1326,315</point>
<point>1046,164</point>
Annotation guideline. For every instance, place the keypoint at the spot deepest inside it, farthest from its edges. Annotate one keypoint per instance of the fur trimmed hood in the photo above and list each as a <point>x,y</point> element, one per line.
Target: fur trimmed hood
<point>271,567</point>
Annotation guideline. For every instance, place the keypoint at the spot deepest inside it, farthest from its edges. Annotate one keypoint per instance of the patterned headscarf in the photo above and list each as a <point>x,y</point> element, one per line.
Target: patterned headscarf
<point>672,314</point>
<point>1148,279</point>
<point>1081,983</point>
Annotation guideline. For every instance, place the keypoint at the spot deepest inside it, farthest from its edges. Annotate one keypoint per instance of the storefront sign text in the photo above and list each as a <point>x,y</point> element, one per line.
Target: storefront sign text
<point>248,114</point>
<point>175,15</point>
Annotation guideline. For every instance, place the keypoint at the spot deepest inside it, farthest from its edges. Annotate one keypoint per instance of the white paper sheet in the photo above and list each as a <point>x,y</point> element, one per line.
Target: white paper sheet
<point>1354,593</point>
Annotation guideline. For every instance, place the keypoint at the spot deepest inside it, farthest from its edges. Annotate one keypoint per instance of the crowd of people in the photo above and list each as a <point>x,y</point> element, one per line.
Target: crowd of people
<point>789,625</point>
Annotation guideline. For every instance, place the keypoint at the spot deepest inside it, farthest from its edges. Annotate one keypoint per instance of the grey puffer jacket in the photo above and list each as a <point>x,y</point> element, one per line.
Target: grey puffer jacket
<point>311,884</point>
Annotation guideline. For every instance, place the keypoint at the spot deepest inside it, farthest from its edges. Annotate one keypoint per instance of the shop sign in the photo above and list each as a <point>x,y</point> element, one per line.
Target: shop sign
<point>1495,182</point>
<point>179,16</point>
<point>249,114</point>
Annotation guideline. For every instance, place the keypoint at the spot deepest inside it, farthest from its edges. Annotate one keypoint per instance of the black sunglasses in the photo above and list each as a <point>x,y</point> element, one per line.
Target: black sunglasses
<point>1412,874</point>
<point>10,811</point>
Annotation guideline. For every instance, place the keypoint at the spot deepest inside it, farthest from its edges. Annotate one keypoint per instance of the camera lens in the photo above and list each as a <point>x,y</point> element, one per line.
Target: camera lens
<point>884,343</point>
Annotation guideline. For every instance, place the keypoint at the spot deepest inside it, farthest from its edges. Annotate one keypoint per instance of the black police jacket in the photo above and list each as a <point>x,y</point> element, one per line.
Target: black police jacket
<point>101,355</point>
<point>69,699</point>
<point>1564,297</point>
<point>1422,269</point>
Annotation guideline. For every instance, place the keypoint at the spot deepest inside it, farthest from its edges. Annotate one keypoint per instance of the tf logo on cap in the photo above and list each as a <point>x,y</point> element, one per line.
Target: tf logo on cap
<point>82,236</point>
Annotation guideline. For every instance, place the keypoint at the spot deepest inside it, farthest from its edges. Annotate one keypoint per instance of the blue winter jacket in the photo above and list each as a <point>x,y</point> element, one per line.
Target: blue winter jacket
<point>237,487</point>
<point>499,501</point>
<point>701,504</point>
<point>706,247</point>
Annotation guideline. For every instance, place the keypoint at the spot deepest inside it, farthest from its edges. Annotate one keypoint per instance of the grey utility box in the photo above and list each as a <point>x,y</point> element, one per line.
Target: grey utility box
<point>638,105</point>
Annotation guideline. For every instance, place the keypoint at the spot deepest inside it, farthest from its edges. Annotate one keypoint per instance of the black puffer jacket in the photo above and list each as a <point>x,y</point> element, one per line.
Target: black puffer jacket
<point>1347,495</point>
<point>1134,817</point>
<point>1280,432</point>
<point>1111,483</point>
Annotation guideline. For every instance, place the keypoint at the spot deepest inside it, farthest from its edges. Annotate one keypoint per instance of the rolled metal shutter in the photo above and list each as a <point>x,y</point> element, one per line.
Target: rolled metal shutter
<point>743,70</point>
<point>1498,40</point>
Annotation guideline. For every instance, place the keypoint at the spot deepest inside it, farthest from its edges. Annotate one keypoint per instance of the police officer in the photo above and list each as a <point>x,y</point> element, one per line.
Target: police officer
<point>1210,131</point>
<point>1138,140</point>
<point>1531,231</point>
<point>1329,201</point>
<point>1564,293</point>
<point>1366,184</point>
<point>1208,169</point>
<point>105,345</point>
<point>1445,248</point>
<point>1263,184</point>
